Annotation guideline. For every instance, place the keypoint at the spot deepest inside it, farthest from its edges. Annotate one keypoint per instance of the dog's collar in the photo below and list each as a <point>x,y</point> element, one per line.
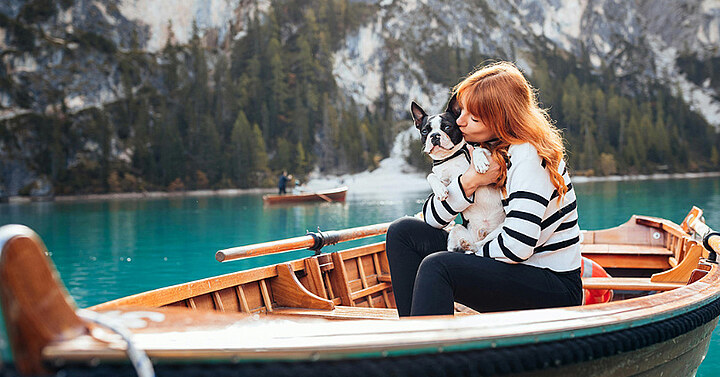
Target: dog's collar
<point>462,151</point>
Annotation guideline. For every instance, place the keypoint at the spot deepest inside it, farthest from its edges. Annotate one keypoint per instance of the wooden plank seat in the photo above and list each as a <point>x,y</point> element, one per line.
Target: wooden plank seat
<point>628,284</point>
<point>625,249</point>
<point>685,255</point>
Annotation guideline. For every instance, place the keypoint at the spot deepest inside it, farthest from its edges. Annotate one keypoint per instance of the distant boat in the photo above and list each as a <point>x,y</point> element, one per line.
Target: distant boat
<point>334,314</point>
<point>331,195</point>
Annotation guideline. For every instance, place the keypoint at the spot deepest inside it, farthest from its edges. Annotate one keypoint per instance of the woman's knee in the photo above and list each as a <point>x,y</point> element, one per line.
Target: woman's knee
<point>435,263</point>
<point>402,228</point>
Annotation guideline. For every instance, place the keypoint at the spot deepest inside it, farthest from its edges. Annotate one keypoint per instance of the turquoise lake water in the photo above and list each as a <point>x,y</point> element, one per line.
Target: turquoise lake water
<point>109,249</point>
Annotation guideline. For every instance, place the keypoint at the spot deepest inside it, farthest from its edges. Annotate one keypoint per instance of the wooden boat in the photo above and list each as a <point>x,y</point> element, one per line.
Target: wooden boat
<point>331,195</point>
<point>332,314</point>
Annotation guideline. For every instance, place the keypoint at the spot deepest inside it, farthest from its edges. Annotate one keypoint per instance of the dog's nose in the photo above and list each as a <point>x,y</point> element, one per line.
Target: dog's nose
<point>435,139</point>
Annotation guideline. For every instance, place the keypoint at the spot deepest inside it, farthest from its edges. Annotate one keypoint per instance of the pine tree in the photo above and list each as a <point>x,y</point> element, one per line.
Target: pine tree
<point>570,104</point>
<point>259,157</point>
<point>284,153</point>
<point>208,148</point>
<point>170,151</point>
<point>300,161</point>
<point>276,87</point>
<point>240,148</point>
<point>224,98</point>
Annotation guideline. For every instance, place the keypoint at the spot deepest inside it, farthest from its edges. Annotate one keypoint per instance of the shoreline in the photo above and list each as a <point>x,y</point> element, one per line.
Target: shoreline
<point>140,195</point>
<point>643,177</point>
<point>234,192</point>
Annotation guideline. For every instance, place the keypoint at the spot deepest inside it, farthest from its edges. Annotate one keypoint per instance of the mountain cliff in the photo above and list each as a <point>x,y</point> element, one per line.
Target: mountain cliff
<point>74,71</point>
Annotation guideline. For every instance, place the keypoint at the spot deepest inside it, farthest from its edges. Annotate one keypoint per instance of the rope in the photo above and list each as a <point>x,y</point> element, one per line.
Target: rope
<point>140,361</point>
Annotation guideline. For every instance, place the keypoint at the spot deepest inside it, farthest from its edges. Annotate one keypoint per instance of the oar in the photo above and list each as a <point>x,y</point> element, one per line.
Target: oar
<point>324,197</point>
<point>711,238</point>
<point>312,241</point>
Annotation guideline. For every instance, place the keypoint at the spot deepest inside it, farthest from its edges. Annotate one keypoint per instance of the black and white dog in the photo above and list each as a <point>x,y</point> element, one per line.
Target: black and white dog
<point>444,143</point>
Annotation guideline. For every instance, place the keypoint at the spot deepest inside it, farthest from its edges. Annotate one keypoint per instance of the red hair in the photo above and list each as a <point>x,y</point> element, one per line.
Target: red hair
<point>501,97</point>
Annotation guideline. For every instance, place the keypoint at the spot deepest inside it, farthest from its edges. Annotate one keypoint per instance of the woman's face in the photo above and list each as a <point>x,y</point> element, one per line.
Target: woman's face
<point>473,128</point>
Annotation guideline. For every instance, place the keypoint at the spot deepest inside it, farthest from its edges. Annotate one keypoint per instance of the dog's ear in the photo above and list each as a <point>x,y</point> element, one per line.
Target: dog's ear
<point>418,114</point>
<point>453,106</point>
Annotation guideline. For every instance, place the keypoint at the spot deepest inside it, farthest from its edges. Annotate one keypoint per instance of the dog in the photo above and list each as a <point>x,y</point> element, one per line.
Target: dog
<point>444,143</point>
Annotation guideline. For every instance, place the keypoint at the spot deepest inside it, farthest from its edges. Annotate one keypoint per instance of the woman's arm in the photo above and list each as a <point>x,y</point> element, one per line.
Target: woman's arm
<point>439,214</point>
<point>461,193</point>
<point>530,191</point>
<point>471,179</point>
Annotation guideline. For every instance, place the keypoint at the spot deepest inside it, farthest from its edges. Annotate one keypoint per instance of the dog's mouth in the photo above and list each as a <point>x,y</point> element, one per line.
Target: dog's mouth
<point>437,148</point>
<point>437,151</point>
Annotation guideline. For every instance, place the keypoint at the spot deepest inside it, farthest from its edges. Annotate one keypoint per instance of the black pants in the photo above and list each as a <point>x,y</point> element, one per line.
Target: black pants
<point>427,279</point>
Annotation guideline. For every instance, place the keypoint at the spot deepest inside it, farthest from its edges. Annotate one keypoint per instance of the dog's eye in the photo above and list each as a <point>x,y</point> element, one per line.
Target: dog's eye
<point>424,132</point>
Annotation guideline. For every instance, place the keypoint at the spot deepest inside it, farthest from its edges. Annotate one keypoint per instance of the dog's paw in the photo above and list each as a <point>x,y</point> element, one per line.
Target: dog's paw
<point>467,246</point>
<point>454,245</point>
<point>481,163</point>
<point>461,245</point>
<point>441,193</point>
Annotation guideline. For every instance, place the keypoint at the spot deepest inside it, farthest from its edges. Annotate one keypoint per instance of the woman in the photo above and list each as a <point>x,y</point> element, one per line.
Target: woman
<point>534,262</point>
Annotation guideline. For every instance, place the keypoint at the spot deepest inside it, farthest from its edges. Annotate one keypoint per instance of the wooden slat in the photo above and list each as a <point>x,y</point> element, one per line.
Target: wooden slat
<point>328,285</point>
<point>254,296</point>
<point>626,249</point>
<point>266,296</point>
<point>652,262</point>
<point>342,312</point>
<point>340,280</point>
<point>362,251</point>
<point>191,303</point>
<point>244,307</point>
<point>316,286</point>
<point>218,301</point>
<point>229,300</point>
<point>628,284</point>
<point>204,302</point>
<point>363,279</point>
<point>369,291</point>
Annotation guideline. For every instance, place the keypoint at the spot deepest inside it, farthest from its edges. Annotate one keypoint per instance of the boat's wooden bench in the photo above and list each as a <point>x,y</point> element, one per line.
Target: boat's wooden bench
<point>677,250</point>
<point>628,284</point>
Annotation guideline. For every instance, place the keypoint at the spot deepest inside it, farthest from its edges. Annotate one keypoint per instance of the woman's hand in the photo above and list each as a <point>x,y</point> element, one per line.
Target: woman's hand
<point>471,179</point>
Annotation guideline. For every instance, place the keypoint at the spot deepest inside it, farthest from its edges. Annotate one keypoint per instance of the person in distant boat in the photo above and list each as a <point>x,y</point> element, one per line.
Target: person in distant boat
<point>533,259</point>
<point>282,182</point>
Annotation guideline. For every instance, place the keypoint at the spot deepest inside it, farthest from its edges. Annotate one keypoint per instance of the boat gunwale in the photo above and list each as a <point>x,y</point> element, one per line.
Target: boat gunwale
<point>321,345</point>
<point>483,331</point>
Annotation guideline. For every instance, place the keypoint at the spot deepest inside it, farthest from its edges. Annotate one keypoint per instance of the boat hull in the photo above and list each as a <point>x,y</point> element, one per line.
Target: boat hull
<point>335,195</point>
<point>334,314</point>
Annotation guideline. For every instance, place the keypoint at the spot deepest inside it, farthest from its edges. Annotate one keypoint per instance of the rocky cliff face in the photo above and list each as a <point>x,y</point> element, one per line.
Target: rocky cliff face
<point>61,56</point>
<point>639,41</point>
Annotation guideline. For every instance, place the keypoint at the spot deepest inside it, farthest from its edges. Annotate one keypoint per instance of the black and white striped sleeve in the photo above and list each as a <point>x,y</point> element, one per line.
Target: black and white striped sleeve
<point>439,213</point>
<point>529,191</point>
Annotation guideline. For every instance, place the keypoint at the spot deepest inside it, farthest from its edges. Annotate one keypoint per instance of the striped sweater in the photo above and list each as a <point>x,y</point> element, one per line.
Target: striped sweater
<point>538,230</point>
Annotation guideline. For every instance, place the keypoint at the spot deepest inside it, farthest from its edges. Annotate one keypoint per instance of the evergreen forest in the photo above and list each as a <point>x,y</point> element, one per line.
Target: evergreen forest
<point>234,116</point>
